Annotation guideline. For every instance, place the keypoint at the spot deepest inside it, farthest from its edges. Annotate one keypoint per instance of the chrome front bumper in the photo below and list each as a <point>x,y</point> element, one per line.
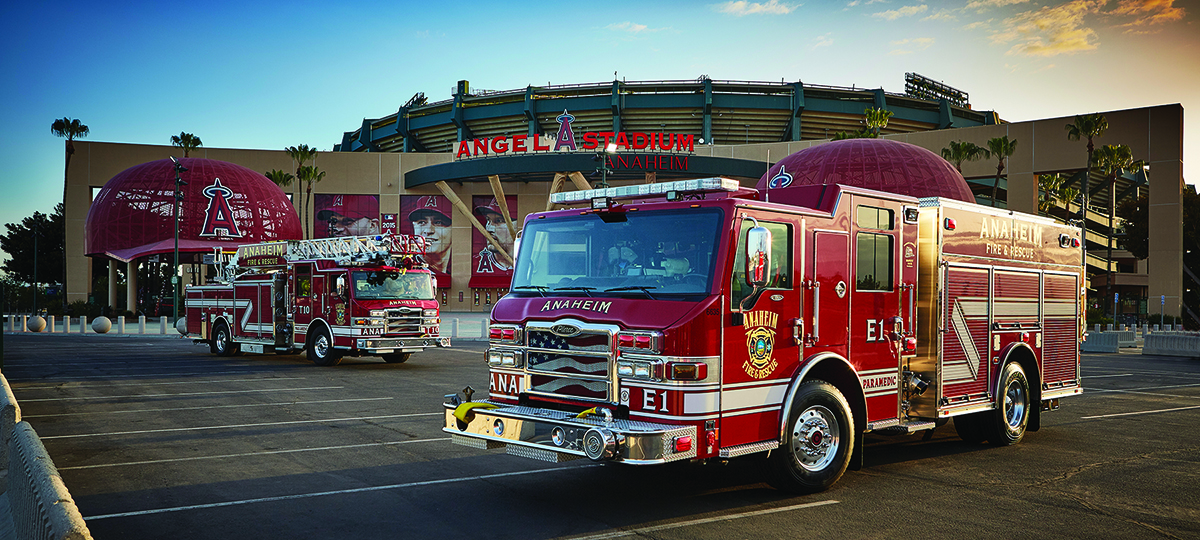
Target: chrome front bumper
<point>558,436</point>
<point>391,345</point>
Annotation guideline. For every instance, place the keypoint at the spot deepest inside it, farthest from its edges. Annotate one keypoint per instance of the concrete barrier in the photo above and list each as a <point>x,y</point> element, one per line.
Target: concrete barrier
<point>1104,342</point>
<point>1163,344</point>
<point>1125,338</point>
<point>39,502</point>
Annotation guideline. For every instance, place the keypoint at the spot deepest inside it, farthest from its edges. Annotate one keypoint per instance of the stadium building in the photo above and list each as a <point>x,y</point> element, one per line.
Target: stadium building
<point>450,169</point>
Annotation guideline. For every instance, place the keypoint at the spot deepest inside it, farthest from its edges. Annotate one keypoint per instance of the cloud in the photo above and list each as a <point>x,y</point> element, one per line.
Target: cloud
<point>898,52</point>
<point>1051,31</point>
<point>941,15</point>
<point>1147,13</point>
<point>911,45</point>
<point>984,5</point>
<point>977,24</point>
<point>905,11</point>
<point>823,41</point>
<point>742,8</point>
<point>632,28</point>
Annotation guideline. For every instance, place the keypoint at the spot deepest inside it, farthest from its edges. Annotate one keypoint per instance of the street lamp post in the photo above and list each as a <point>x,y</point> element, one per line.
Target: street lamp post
<point>36,232</point>
<point>179,169</point>
<point>602,157</point>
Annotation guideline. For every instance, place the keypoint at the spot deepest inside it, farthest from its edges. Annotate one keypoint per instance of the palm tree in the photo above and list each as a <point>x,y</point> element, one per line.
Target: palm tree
<point>1113,160</point>
<point>301,154</point>
<point>280,178</point>
<point>959,152</point>
<point>69,129</point>
<point>1002,148</point>
<point>1088,126</point>
<point>309,175</point>
<point>186,141</point>
<point>876,119</point>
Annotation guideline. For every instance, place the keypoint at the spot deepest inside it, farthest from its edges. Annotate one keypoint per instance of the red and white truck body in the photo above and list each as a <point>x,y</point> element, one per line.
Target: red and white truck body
<point>334,297</point>
<point>697,319</point>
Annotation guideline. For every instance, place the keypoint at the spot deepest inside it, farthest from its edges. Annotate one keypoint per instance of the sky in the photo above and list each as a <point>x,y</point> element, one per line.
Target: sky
<point>267,75</point>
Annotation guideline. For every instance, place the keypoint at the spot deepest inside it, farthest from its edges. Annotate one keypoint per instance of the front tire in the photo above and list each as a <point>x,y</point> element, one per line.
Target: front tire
<point>1006,425</point>
<point>321,351</point>
<point>397,358</point>
<point>817,443</point>
<point>221,344</point>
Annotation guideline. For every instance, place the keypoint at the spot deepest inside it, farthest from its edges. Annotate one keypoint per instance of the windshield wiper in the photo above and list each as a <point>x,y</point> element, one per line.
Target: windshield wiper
<point>645,290</point>
<point>584,289</point>
<point>540,289</point>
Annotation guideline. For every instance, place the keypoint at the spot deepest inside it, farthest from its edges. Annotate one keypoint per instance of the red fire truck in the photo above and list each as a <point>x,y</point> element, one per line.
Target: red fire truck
<point>334,297</point>
<point>697,320</point>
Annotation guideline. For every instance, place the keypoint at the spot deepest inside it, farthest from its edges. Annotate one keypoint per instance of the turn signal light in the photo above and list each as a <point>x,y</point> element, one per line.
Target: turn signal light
<point>687,371</point>
<point>910,345</point>
<point>683,444</point>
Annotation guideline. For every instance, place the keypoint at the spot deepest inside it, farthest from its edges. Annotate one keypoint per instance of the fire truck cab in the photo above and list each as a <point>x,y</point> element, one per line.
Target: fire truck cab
<point>334,297</point>
<point>698,319</point>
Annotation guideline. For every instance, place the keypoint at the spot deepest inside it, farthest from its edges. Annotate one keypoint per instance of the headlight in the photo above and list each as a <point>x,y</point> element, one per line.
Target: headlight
<point>378,313</point>
<point>430,313</point>
<point>493,357</point>
<point>625,369</point>
<point>641,370</point>
<point>508,359</point>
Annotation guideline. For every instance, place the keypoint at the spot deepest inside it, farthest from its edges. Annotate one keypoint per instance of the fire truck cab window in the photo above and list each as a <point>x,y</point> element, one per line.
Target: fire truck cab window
<point>377,285</point>
<point>873,263</point>
<point>870,217</point>
<point>303,280</point>
<point>652,255</point>
<point>779,276</point>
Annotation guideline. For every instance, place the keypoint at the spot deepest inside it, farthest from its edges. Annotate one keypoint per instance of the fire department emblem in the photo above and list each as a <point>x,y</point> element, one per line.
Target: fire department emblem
<point>340,314</point>
<point>760,343</point>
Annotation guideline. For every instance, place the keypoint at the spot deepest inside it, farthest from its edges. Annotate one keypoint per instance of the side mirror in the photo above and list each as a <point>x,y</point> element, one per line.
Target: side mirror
<point>341,286</point>
<point>758,255</point>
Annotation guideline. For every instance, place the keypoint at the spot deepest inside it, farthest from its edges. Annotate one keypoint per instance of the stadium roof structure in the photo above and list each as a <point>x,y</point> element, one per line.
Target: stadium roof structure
<point>716,112</point>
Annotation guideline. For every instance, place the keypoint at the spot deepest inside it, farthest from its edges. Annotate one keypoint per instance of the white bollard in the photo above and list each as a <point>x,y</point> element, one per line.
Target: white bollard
<point>83,324</point>
<point>49,324</point>
<point>121,324</point>
<point>24,323</point>
<point>162,325</point>
<point>454,329</point>
<point>141,324</point>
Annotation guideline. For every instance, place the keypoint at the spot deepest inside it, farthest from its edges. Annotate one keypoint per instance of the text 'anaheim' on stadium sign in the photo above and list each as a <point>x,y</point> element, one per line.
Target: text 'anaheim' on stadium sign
<point>566,141</point>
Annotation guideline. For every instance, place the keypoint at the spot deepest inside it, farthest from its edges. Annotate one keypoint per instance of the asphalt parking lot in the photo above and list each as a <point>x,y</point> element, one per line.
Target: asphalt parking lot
<point>155,438</point>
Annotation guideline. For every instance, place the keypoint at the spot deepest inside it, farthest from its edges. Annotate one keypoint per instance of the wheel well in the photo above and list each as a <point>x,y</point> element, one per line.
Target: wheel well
<point>313,327</point>
<point>1024,357</point>
<point>838,373</point>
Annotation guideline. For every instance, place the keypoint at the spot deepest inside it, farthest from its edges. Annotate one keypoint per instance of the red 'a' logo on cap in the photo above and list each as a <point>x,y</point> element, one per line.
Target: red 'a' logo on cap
<point>218,217</point>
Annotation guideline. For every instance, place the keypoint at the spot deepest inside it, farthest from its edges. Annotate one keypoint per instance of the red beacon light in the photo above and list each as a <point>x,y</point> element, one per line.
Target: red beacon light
<point>950,224</point>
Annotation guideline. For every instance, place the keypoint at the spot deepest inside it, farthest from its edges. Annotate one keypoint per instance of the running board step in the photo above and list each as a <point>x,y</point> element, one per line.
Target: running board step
<point>894,427</point>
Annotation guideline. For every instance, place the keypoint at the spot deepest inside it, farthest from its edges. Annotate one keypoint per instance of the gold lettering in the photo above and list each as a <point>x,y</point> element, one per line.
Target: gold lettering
<point>603,306</point>
<point>983,229</point>
<point>587,305</point>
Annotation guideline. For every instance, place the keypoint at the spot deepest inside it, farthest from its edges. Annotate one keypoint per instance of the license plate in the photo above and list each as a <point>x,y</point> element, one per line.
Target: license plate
<point>252,348</point>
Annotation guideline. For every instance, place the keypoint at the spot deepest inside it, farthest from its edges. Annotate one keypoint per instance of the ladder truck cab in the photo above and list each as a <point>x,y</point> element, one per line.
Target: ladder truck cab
<point>700,320</point>
<point>333,297</point>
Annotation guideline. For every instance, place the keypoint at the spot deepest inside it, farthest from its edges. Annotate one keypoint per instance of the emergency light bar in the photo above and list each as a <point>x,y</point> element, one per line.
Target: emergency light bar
<point>646,190</point>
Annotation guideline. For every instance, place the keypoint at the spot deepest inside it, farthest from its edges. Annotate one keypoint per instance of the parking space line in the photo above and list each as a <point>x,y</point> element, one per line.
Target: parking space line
<point>59,386</point>
<point>643,530</point>
<point>1149,372</point>
<point>180,394</point>
<point>146,376</point>
<point>1106,376</point>
<point>103,363</point>
<point>1139,412</point>
<point>233,426</point>
<point>251,454</point>
<point>337,492</point>
<point>280,404</point>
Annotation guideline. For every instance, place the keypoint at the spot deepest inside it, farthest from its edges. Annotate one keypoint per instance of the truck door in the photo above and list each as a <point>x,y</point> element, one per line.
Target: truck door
<point>828,309</point>
<point>760,353</point>
<point>303,299</point>
<point>877,325</point>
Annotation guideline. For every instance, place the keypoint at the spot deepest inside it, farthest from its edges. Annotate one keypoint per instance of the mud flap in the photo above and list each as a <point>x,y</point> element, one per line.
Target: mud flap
<point>1035,418</point>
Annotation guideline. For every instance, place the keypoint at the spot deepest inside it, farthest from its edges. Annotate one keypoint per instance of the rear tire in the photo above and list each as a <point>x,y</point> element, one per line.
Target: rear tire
<point>817,443</point>
<point>321,351</point>
<point>398,358</point>
<point>221,344</point>
<point>1006,425</point>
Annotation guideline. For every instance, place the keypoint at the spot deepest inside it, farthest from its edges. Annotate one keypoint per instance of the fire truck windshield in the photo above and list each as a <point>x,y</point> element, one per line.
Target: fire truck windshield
<point>646,253</point>
<point>378,285</point>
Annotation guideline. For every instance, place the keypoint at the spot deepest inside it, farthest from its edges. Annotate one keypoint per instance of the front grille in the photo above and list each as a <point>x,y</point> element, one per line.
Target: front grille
<point>576,366</point>
<point>403,320</point>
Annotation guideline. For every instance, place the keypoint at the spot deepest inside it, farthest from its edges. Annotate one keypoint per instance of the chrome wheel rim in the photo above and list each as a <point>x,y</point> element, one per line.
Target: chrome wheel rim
<point>222,340</point>
<point>321,346</point>
<point>815,438</point>
<point>1014,404</point>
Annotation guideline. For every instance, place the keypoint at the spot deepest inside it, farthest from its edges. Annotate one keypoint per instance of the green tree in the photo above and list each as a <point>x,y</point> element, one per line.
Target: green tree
<point>186,141</point>
<point>300,154</point>
<point>876,120</point>
<point>1087,126</point>
<point>1135,214</point>
<point>309,175</point>
<point>1003,148</point>
<point>958,152</point>
<point>18,242</point>
<point>280,178</point>
<point>1051,191</point>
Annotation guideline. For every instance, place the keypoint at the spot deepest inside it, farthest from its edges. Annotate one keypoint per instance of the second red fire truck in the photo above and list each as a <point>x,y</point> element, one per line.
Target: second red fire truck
<point>695,320</point>
<point>332,297</point>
